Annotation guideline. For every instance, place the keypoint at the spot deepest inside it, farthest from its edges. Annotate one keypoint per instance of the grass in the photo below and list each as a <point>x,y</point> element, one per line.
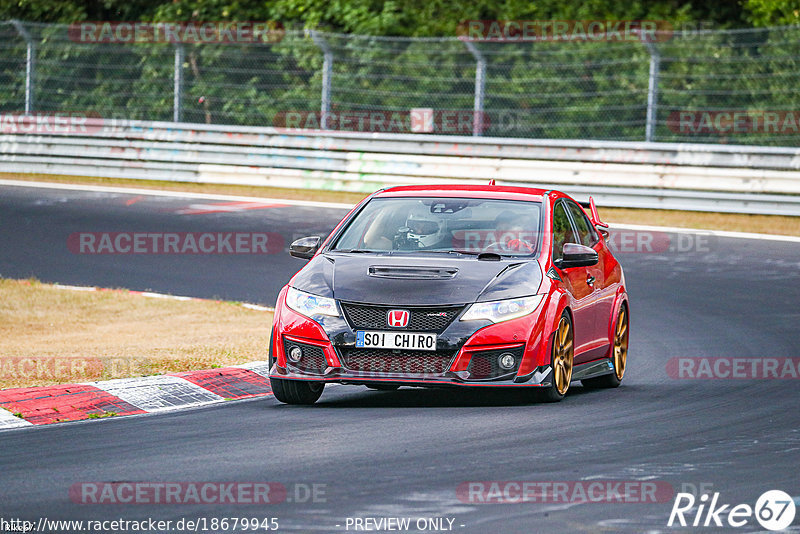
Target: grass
<point>731,222</point>
<point>101,415</point>
<point>765,224</point>
<point>54,336</point>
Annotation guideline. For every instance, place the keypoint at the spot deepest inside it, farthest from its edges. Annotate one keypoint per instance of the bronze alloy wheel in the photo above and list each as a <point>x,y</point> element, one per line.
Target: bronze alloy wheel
<point>562,356</point>
<point>621,343</point>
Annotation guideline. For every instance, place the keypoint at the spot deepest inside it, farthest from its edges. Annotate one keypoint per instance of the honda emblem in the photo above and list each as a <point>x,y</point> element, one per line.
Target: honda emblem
<point>398,318</point>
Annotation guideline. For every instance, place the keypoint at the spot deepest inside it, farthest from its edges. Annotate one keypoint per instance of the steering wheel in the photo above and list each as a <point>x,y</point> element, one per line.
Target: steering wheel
<point>513,245</point>
<point>494,247</point>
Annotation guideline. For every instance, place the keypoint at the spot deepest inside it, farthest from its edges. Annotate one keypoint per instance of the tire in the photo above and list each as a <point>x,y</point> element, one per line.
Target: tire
<point>619,355</point>
<point>271,356</point>
<point>383,387</point>
<point>561,361</point>
<point>296,391</point>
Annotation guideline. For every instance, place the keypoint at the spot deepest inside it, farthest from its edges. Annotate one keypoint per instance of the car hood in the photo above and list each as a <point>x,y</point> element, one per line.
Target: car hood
<point>417,280</point>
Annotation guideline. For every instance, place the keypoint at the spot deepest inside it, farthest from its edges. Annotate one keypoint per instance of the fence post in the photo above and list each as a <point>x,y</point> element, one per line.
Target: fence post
<point>652,91</point>
<point>480,87</point>
<point>30,65</point>
<point>177,87</point>
<point>327,73</point>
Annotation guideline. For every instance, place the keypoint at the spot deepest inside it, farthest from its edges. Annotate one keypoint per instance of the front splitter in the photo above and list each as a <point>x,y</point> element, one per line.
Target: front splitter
<point>539,378</point>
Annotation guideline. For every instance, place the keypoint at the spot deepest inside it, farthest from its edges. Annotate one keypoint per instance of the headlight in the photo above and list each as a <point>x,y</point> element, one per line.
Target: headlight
<point>310,305</point>
<point>502,310</point>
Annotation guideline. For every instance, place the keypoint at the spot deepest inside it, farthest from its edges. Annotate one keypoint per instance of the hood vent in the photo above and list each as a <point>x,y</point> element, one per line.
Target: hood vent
<point>412,273</point>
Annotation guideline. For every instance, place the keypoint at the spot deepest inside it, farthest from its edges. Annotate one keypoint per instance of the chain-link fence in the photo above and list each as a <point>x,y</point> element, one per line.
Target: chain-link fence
<point>738,87</point>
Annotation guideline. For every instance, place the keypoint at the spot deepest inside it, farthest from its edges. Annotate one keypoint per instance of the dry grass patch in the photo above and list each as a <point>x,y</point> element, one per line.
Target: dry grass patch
<point>53,336</point>
<point>731,222</point>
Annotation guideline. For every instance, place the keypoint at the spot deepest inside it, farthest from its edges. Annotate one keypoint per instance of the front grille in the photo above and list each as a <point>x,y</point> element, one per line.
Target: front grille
<point>313,359</point>
<point>421,320</point>
<point>484,365</point>
<point>396,361</point>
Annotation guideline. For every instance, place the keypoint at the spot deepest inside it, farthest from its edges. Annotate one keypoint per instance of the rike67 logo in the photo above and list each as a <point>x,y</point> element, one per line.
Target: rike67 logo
<point>774,510</point>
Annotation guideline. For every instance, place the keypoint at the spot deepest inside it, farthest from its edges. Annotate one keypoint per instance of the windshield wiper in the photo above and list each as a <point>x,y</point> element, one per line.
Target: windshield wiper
<point>459,252</point>
<point>491,256</point>
<point>355,251</point>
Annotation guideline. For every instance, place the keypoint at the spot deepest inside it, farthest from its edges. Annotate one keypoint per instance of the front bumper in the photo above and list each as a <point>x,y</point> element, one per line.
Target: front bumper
<point>464,357</point>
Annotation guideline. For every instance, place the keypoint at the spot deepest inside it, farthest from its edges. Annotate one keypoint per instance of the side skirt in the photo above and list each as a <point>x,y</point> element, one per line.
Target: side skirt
<point>586,370</point>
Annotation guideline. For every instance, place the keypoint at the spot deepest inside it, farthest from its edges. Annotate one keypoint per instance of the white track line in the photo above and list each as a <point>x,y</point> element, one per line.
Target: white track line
<point>257,307</point>
<point>259,367</point>
<point>75,288</point>
<point>717,233</point>
<point>149,294</point>
<point>174,194</point>
<point>158,393</point>
<point>334,205</point>
<point>9,420</point>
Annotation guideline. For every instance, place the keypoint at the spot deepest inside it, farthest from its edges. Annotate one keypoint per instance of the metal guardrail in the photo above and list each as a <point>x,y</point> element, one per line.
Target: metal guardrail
<point>740,179</point>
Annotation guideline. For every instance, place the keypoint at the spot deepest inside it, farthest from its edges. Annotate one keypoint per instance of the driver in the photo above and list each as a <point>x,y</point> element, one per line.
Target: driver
<point>424,229</point>
<point>511,233</point>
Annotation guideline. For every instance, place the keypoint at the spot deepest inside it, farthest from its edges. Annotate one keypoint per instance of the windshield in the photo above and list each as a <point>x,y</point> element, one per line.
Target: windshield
<point>466,225</point>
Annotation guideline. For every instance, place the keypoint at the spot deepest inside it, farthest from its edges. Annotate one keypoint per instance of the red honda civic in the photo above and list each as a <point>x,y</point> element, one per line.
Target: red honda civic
<point>454,286</point>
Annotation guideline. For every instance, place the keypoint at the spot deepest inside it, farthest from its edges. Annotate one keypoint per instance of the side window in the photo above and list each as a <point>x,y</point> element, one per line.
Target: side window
<point>586,232</point>
<point>562,230</point>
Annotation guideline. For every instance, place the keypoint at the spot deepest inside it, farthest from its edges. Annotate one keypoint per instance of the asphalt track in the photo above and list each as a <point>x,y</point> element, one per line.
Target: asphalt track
<point>405,453</point>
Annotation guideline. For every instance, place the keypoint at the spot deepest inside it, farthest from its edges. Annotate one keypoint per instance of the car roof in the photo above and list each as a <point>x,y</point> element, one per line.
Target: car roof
<point>463,190</point>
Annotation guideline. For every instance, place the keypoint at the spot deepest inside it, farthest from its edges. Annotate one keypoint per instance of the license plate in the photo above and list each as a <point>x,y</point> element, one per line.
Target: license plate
<point>395,340</point>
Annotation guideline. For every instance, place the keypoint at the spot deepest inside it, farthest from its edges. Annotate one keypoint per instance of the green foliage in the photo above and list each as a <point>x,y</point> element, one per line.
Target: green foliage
<point>417,18</point>
<point>68,11</point>
<point>542,90</point>
<point>772,12</point>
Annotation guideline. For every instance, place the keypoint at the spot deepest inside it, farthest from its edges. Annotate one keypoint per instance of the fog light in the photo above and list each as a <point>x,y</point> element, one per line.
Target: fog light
<point>295,353</point>
<point>507,361</point>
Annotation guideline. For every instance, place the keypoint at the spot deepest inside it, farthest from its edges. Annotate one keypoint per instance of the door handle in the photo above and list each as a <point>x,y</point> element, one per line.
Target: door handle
<point>590,280</point>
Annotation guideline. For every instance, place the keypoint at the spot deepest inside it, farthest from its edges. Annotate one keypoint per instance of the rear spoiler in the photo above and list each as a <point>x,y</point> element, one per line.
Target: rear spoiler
<point>593,213</point>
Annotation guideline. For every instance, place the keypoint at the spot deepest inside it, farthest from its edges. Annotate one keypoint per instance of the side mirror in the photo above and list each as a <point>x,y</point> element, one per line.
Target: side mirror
<point>305,247</point>
<point>575,255</point>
